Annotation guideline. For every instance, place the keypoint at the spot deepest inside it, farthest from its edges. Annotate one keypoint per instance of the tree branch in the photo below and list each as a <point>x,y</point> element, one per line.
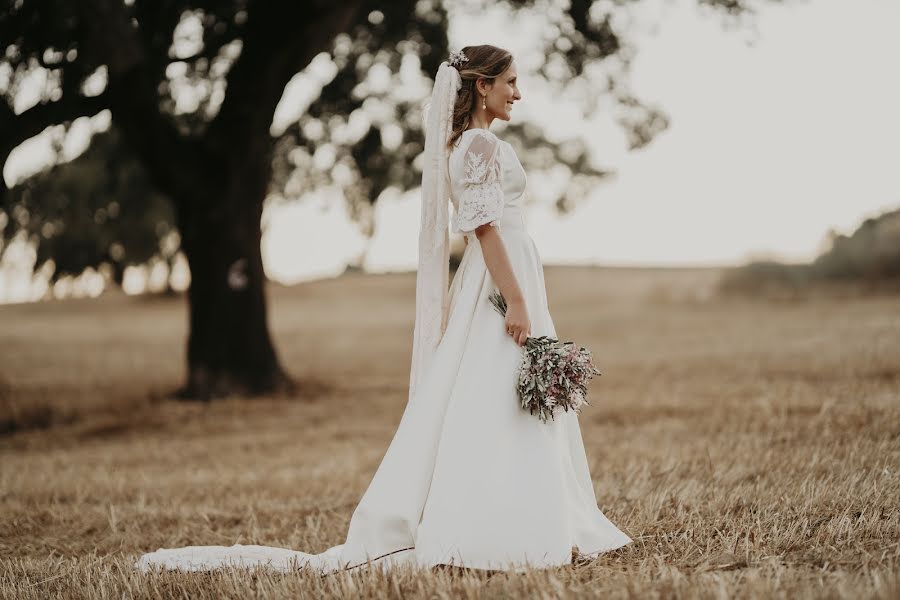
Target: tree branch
<point>134,99</point>
<point>281,39</point>
<point>19,128</point>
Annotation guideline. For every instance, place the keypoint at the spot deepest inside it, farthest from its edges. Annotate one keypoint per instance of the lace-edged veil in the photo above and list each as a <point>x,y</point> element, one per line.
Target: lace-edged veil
<point>432,278</point>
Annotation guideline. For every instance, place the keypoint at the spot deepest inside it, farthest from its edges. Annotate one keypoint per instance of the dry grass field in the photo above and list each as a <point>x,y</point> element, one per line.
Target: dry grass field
<point>750,447</point>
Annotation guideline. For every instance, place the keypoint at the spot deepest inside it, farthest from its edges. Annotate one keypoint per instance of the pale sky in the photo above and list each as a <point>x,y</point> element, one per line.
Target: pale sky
<point>769,146</point>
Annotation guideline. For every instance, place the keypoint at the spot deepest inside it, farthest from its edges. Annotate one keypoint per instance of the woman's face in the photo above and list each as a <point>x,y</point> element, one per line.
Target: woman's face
<point>502,94</point>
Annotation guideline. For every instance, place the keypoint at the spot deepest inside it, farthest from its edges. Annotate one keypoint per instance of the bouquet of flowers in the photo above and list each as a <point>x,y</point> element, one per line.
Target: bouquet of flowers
<point>553,374</point>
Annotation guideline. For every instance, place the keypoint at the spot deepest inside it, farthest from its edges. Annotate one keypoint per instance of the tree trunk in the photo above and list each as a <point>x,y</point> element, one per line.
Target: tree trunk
<point>229,348</point>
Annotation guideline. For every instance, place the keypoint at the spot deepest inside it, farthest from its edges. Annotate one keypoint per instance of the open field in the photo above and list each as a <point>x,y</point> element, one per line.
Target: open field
<point>751,448</point>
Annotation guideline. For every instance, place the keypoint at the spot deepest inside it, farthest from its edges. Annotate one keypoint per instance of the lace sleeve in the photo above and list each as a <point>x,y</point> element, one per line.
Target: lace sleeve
<point>482,198</point>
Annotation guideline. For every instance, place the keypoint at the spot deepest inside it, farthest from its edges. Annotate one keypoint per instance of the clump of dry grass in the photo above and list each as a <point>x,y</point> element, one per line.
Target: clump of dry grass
<point>751,449</point>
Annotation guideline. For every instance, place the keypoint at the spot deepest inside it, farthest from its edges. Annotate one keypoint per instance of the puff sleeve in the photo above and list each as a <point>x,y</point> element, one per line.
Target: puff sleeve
<point>481,198</point>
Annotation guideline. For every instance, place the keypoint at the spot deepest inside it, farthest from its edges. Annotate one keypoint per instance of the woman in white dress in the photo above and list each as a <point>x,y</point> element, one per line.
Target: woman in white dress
<point>470,478</point>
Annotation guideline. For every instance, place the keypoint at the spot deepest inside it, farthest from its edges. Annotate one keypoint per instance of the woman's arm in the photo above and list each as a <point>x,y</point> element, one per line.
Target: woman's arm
<point>497,260</point>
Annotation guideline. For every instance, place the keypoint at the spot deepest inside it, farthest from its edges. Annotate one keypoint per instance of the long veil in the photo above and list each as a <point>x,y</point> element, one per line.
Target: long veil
<point>384,523</point>
<point>434,241</point>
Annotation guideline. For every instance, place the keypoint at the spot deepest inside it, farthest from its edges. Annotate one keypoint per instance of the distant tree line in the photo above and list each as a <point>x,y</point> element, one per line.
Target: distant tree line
<point>868,258</point>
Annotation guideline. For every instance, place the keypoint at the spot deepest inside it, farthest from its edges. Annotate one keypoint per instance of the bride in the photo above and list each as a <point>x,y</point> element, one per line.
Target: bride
<point>470,478</point>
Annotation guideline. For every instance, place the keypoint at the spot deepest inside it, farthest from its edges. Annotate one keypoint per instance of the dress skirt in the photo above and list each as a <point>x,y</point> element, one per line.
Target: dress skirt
<point>470,478</point>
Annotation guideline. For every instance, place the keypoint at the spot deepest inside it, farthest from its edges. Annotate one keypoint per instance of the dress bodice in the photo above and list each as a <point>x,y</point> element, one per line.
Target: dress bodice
<point>486,178</point>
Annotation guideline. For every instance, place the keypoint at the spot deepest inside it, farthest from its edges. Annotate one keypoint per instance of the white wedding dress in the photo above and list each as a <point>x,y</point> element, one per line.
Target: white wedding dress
<point>470,478</point>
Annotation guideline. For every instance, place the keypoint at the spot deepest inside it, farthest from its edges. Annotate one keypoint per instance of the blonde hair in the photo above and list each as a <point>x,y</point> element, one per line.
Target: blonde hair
<point>485,61</point>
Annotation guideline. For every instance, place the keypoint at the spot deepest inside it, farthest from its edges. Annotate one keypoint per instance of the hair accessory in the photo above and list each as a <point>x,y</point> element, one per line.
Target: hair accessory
<point>457,59</point>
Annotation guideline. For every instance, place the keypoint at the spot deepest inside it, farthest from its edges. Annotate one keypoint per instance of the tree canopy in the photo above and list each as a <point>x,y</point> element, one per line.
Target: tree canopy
<point>360,131</point>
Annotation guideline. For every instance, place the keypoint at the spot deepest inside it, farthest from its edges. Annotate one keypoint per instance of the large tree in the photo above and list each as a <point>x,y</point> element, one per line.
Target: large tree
<point>217,162</point>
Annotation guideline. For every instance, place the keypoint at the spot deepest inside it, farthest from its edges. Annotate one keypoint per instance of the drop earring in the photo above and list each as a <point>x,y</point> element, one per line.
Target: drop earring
<point>484,102</point>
